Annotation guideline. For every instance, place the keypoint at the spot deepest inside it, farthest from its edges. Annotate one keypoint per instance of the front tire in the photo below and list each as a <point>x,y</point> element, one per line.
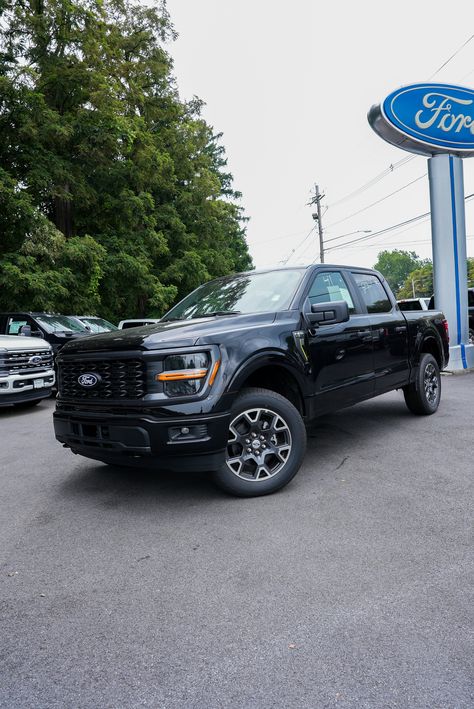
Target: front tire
<point>423,396</point>
<point>266,444</point>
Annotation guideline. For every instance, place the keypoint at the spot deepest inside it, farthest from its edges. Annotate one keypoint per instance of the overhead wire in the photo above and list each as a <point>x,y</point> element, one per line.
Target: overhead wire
<point>469,39</point>
<point>374,180</point>
<point>390,228</point>
<point>285,260</point>
<point>378,201</point>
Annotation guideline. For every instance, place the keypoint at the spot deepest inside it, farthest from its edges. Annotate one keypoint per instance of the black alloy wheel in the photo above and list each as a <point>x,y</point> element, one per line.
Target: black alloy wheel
<point>423,396</point>
<point>266,444</point>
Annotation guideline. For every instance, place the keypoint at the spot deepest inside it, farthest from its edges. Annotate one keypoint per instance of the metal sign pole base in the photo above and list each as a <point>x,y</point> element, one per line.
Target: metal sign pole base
<point>449,254</point>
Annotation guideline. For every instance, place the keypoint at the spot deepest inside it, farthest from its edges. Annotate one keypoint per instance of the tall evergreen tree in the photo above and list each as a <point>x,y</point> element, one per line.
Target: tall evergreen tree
<point>114,194</point>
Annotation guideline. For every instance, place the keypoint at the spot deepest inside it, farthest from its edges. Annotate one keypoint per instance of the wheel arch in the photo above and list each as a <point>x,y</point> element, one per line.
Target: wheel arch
<point>430,343</point>
<point>271,371</point>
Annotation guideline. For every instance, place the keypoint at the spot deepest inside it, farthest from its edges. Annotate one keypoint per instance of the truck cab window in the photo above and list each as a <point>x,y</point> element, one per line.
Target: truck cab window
<point>14,326</point>
<point>330,286</point>
<point>373,293</point>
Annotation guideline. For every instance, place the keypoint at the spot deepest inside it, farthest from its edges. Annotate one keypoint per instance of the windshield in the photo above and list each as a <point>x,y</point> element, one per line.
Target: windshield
<point>244,293</point>
<point>98,324</point>
<point>59,323</point>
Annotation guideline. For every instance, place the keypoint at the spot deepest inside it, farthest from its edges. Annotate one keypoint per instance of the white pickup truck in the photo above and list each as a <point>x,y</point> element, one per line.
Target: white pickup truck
<point>26,370</point>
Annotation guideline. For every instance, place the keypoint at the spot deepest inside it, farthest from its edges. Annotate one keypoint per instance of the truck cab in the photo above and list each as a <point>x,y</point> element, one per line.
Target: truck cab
<point>51,327</point>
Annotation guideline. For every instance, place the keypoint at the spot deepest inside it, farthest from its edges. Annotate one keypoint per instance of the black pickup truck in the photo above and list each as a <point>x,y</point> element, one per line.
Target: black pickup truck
<point>229,377</point>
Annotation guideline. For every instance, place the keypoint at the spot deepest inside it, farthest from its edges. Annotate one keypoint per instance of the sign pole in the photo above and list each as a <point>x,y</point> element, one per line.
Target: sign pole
<point>448,231</point>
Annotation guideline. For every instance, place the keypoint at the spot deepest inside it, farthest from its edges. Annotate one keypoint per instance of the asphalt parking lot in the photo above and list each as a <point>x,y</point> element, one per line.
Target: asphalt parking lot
<point>349,588</point>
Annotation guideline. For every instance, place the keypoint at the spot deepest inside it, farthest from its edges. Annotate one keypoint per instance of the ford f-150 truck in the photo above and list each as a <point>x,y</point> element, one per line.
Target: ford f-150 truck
<point>26,370</point>
<point>230,376</point>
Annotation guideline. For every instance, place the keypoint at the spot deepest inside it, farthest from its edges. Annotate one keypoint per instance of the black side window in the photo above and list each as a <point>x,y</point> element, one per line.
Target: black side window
<point>373,293</point>
<point>470,298</point>
<point>329,286</point>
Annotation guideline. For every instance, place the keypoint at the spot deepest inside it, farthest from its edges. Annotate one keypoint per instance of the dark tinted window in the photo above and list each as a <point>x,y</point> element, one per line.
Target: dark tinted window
<point>328,287</point>
<point>470,298</point>
<point>373,293</point>
<point>410,305</point>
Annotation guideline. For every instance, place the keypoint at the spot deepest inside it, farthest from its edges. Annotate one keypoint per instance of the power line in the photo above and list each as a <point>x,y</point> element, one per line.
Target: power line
<point>285,261</point>
<point>390,228</point>
<point>374,180</point>
<point>452,56</point>
<point>382,199</point>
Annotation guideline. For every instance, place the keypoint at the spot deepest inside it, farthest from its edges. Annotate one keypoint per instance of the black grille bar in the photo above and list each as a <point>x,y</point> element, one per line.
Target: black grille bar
<point>118,379</point>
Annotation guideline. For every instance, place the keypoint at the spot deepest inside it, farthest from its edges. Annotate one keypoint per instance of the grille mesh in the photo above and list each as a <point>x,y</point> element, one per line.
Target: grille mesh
<point>118,379</point>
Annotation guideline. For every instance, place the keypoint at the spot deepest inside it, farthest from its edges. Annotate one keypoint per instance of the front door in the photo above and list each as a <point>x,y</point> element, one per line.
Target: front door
<point>341,355</point>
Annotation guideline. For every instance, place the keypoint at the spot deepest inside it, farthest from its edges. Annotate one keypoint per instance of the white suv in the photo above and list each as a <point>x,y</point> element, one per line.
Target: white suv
<point>26,370</point>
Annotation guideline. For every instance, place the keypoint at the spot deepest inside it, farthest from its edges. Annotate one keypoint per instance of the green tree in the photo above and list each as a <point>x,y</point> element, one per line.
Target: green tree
<point>396,265</point>
<point>419,283</point>
<point>114,194</point>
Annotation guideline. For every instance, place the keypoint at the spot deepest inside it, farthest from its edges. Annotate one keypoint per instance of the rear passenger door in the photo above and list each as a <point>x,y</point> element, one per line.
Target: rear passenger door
<point>389,333</point>
<point>341,354</point>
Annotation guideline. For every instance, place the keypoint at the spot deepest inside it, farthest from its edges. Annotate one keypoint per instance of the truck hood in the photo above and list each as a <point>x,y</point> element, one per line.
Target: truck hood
<point>20,342</point>
<point>168,335</point>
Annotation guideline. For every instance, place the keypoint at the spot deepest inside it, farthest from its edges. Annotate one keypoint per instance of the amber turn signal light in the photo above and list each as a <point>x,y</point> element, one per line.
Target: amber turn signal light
<point>181,374</point>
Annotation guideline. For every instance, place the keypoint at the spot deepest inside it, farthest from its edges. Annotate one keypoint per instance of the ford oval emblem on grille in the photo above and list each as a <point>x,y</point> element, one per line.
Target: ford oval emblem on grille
<point>88,380</point>
<point>35,359</point>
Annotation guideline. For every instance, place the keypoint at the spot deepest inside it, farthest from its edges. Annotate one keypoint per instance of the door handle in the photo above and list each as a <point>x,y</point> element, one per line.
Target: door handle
<point>363,333</point>
<point>400,328</point>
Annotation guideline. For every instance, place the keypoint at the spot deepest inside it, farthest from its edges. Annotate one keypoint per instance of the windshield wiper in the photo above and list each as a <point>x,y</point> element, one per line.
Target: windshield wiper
<point>217,312</point>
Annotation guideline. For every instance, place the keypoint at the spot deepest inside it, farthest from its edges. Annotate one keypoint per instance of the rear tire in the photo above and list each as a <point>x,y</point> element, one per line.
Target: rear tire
<point>266,445</point>
<point>423,396</point>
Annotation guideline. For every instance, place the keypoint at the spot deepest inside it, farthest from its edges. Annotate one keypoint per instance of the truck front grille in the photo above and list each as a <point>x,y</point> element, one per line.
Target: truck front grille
<point>117,379</point>
<point>25,361</point>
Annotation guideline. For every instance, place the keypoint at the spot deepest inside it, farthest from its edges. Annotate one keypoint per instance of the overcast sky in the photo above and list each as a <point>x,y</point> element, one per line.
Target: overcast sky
<point>289,85</point>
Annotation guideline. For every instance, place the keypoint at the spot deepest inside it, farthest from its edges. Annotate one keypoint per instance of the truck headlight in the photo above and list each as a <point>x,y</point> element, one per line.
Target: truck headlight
<point>186,374</point>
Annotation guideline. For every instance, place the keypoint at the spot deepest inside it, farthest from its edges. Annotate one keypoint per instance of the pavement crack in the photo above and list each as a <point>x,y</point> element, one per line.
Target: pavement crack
<point>342,462</point>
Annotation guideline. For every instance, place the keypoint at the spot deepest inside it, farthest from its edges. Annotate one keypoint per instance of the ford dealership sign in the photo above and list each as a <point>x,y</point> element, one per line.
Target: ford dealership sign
<point>427,119</point>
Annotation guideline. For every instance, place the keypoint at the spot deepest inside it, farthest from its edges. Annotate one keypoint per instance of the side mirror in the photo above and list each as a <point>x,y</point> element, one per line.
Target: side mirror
<point>328,313</point>
<point>25,330</point>
<point>37,333</point>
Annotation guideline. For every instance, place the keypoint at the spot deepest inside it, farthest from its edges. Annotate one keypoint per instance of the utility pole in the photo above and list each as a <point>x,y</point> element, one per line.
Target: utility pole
<point>318,218</point>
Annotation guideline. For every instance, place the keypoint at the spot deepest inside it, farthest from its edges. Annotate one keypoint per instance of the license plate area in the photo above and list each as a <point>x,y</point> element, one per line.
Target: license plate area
<point>38,383</point>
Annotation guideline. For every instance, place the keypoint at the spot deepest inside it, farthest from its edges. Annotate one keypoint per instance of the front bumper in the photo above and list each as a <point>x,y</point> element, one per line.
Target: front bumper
<point>194,443</point>
<point>17,389</point>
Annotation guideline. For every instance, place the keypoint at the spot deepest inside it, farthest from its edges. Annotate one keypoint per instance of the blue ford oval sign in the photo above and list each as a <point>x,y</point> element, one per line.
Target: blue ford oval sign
<point>88,380</point>
<point>427,119</point>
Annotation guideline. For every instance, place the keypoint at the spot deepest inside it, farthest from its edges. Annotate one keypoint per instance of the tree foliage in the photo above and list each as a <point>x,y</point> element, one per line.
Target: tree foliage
<point>396,265</point>
<point>114,194</point>
<point>420,281</point>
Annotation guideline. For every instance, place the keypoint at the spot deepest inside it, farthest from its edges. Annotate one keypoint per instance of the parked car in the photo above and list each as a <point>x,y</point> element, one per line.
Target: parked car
<point>26,370</point>
<point>407,304</point>
<point>55,329</point>
<point>229,377</point>
<point>139,322</point>
<point>93,323</point>
<point>470,307</point>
